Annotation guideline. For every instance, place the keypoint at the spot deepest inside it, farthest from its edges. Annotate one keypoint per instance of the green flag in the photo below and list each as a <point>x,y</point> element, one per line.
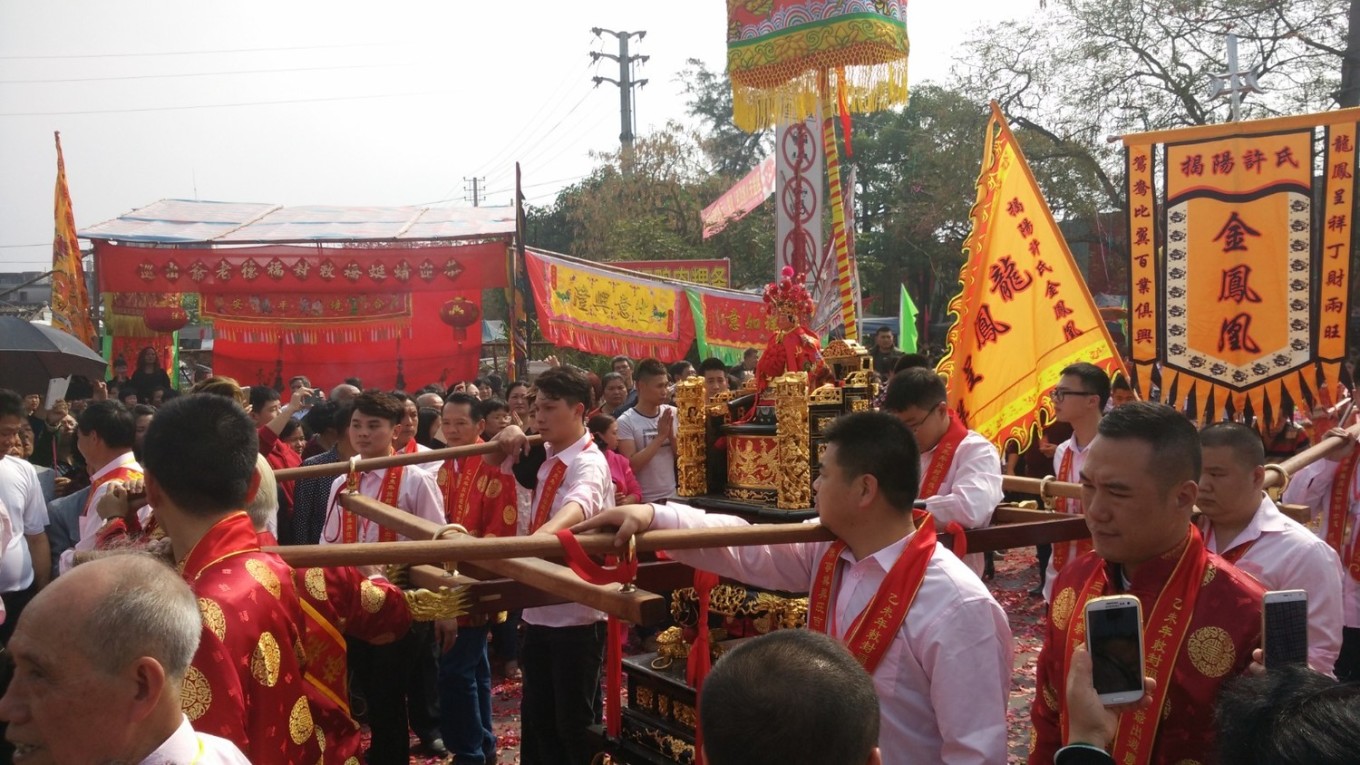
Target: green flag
<point>906,335</point>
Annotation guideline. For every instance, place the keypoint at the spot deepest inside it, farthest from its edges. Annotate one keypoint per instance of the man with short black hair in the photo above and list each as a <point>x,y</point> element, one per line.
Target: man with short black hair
<point>789,696</point>
<point>715,377</point>
<point>270,418</point>
<point>563,645</point>
<point>382,670</point>
<point>1201,616</point>
<point>925,627</point>
<point>102,670</point>
<point>1243,526</point>
<point>1079,400</point>
<point>200,462</point>
<point>960,468</point>
<point>106,434</point>
<point>885,352</point>
<point>647,433</point>
<point>142,415</point>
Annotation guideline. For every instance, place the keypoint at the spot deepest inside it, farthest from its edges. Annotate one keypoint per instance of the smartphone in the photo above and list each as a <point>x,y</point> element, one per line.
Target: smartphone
<point>1114,638</point>
<point>1284,623</point>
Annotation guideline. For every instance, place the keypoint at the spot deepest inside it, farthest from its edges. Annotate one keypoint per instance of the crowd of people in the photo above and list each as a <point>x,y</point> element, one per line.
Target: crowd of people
<point>242,657</point>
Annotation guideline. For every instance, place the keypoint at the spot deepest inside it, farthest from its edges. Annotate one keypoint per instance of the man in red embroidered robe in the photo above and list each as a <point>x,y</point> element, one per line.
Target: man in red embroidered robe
<point>934,639</point>
<point>479,497</point>
<point>960,469</point>
<point>1201,615</point>
<point>246,683</point>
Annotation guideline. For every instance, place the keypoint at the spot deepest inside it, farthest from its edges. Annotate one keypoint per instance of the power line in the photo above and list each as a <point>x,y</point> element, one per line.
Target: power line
<point>196,52</point>
<point>199,74</point>
<point>16,246</point>
<point>221,106</point>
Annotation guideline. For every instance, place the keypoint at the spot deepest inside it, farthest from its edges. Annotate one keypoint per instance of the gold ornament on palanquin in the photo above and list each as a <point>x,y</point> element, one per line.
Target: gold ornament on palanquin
<point>430,605</point>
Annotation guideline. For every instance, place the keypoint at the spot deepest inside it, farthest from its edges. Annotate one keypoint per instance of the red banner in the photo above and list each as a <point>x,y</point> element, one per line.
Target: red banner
<point>727,324</point>
<point>434,353</point>
<point>286,268</point>
<point>746,195</point>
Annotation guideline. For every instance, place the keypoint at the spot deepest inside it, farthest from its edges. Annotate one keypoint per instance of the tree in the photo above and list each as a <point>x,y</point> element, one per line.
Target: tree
<point>731,151</point>
<point>1086,69</point>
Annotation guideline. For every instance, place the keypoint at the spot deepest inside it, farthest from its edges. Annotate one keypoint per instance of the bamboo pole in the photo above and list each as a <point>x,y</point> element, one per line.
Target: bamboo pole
<point>634,606</point>
<point>1033,485</point>
<point>1276,476</point>
<point>377,463</point>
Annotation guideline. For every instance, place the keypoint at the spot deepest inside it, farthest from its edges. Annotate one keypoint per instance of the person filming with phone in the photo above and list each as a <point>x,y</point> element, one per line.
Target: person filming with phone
<point>1200,617</point>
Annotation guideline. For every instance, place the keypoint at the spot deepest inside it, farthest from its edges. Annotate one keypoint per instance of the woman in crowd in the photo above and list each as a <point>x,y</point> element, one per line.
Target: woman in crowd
<point>605,430</point>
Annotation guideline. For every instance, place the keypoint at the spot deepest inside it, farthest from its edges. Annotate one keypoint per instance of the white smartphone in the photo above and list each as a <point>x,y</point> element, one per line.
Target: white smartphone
<point>1284,626</point>
<point>1114,638</point>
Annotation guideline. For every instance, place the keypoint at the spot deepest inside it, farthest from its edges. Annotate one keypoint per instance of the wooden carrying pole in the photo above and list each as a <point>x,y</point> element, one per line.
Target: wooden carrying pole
<point>1276,475</point>
<point>377,463</point>
<point>637,606</point>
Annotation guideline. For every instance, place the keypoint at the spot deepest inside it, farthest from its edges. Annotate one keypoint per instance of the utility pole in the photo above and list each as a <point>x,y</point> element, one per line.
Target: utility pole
<point>470,186</point>
<point>626,83</point>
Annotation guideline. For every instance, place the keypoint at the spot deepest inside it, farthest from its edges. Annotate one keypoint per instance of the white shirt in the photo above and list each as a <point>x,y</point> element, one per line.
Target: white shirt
<point>186,747</point>
<point>21,494</point>
<point>418,495</point>
<point>588,484</point>
<point>955,633</point>
<point>1312,486</point>
<point>970,491</point>
<point>6,534</point>
<point>1285,555</point>
<point>1073,504</point>
<point>657,477</point>
<point>89,520</point>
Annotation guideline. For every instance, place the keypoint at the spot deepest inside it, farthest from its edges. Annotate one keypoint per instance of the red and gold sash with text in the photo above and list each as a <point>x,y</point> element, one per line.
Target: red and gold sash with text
<point>1164,632</point>
<point>117,474</point>
<point>547,493</point>
<point>458,481</point>
<point>1066,505</point>
<point>943,457</point>
<point>872,631</point>
<point>1339,532</point>
<point>388,494</point>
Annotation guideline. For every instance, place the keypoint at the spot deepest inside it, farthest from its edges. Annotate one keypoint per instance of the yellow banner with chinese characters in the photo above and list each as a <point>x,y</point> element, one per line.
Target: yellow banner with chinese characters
<point>70,294</point>
<point>1024,312</point>
<point>597,309</point>
<point>1236,317</point>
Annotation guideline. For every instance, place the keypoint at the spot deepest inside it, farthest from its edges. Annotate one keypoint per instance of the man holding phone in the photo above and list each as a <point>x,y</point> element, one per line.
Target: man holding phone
<point>1243,526</point>
<point>1203,617</point>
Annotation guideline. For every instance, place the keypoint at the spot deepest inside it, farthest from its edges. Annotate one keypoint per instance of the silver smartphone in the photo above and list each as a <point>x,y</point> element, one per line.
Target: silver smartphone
<point>1114,638</point>
<point>1284,625</point>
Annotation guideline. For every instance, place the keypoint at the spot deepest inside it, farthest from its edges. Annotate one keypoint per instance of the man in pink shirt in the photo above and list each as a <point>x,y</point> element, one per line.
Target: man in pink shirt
<point>942,666</point>
<point>1245,528</point>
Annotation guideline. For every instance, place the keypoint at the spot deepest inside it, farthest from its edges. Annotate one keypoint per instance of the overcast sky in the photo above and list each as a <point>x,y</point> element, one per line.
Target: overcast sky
<point>340,102</point>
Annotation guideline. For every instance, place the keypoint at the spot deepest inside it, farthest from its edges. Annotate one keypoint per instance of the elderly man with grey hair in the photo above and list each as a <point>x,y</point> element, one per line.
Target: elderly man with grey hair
<point>100,661</point>
<point>344,393</point>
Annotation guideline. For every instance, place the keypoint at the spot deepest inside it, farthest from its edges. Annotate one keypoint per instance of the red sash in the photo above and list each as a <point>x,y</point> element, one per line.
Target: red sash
<point>411,447</point>
<point>457,485</point>
<point>547,492</point>
<point>944,456</point>
<point>1339,531</point>
<point>872,631</point>
<point>388,494</point>
<point>1164,632</point>
<point>1064,505</point>
<point>117,474</point>
<point>1235,554</point>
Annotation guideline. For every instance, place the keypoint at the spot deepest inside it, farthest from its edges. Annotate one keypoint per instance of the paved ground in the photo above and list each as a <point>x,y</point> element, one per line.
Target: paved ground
<point>1015,575</point>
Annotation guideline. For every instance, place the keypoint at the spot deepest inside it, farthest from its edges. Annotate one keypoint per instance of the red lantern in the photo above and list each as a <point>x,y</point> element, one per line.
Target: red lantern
<point>165,319</point>
<point>460,313</point>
